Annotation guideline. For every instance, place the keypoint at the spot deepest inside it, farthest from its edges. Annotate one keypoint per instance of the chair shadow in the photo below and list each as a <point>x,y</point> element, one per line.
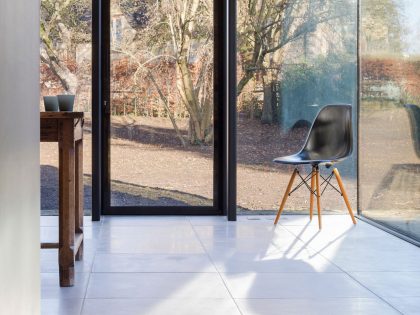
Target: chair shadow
<point>292,263</point>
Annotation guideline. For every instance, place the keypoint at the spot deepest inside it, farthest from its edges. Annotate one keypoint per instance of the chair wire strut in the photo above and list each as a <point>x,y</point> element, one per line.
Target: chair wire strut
<point>304,181</point>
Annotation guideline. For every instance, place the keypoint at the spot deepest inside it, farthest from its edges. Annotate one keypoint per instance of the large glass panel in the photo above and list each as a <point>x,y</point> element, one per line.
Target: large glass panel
<point>389,128</point>
<point>161,103</point>
<point>65,69</point>
<point>294,57</point>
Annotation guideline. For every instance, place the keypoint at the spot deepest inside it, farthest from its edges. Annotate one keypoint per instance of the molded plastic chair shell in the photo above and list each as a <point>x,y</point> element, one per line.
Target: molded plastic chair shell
<point>330,138</point>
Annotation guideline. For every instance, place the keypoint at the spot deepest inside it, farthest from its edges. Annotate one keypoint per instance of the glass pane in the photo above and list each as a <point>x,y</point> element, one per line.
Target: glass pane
<point>65,68</point>
<point>161,103</point>
<point>294,58</point>
<point>389,128</point>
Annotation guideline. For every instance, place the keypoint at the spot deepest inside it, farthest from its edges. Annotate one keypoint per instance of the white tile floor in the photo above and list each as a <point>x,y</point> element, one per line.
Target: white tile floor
<point>205,265</point>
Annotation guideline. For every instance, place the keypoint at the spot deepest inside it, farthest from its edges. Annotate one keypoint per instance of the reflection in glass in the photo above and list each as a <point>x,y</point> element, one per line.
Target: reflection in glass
<point>294,57</point>
<point>390,114</point>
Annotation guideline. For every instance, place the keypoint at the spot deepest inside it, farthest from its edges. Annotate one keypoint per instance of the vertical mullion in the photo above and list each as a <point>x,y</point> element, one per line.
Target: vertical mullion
<point>96,109</point>
<point>106,101</point>
<point>219,103</point>
<point>358,104</point>
<point>232,191</point>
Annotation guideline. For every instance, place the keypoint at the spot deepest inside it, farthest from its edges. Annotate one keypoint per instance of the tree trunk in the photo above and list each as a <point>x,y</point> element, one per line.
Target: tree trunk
<point>68,79</point>
<point>186,90</point>
<point>269,110</point>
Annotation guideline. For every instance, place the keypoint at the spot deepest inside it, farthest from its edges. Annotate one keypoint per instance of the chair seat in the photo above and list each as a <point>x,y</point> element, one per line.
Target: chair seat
<point>301,158</point>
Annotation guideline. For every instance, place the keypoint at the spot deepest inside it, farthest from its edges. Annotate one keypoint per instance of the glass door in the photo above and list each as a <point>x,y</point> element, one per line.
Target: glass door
<point>160,117</point>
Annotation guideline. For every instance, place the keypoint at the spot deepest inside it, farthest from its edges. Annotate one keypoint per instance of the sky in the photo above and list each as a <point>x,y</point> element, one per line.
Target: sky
<point>411,23</point>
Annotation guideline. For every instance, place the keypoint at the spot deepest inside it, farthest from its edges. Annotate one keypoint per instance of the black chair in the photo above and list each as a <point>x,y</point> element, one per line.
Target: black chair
<point>329,142</point>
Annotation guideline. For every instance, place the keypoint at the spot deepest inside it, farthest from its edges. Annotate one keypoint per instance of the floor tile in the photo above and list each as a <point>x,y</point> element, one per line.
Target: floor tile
<point>50,286</point>
<point>208,220</point>
<point>149,239</point>
<point>366,257</point>
<point>160,307</point>
<point>246,238</point>
<point>185,265</point>
<point>106,262</point>
<point>293,285</point>
<point>145,220</point>
<point>156,285</point>
<point>147,231</point>
<point>407,305</point>
<point>242,231</point>
<point>61,306</point>
<point>241,219</point>
<point>50,233</point>
<point>327,220</point>
<point>49,261</point>
<point>48,220</point>
<point>342,306</point>
<point>254,245</point>
<point>391,284</point>
<point>302,261</point>
<point>158,245</point>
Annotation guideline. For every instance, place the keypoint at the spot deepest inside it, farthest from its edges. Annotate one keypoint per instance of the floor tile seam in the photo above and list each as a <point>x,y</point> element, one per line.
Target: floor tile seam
<point>281,272</point>
<point>86,290</point>
<point>91,267</point>
<point>154,272</point>
<point>387,271</point>
<point>348,274</point>
<point>151,253</point>
<point>157,298</point>
<point>218,273</point>
<point>313,298</point>
<point>214,272</point>
<point>109,225</point>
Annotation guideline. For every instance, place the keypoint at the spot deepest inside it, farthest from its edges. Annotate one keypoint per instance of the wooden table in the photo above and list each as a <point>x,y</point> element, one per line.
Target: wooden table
<point>66,128</point>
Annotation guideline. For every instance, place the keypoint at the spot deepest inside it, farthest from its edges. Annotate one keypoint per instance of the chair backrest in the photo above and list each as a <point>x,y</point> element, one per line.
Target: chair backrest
<point>330,137</point>
<point>414,114</point>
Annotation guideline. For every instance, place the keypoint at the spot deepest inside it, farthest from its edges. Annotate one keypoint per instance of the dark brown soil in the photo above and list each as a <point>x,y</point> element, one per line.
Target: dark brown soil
<point>150,167</point>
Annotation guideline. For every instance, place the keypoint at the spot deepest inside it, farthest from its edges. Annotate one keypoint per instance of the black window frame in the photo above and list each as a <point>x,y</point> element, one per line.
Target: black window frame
<point>224,177</point>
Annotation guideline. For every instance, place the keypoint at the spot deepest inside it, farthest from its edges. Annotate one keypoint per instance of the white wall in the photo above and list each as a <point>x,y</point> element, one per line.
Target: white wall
<point>19,157</point>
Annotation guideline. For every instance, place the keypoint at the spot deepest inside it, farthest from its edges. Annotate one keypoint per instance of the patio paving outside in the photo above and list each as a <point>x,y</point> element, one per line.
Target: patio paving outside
<point>206,265</point>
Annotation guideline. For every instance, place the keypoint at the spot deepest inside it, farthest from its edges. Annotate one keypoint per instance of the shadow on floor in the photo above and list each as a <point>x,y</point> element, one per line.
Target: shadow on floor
<point>126,194</point>
<point>123,194</point>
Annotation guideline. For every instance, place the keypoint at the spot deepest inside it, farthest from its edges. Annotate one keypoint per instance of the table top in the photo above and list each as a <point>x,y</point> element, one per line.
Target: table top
<point>61,115</point>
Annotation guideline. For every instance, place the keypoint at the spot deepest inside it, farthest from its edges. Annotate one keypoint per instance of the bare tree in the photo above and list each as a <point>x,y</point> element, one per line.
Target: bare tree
<point>63,27</point>
<point>266,28</point>
<point>177,32</point>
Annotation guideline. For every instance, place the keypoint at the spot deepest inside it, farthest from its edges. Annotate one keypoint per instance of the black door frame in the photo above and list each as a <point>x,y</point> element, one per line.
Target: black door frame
<point>224,179</point>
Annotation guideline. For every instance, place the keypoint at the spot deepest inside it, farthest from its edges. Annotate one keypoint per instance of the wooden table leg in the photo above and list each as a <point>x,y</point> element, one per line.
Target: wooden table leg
<point>79,195</point>
<point>66,204</point>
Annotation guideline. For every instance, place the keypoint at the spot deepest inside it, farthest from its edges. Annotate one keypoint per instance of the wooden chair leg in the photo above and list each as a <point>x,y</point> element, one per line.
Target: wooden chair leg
<point>343,192</point>
<point>311,197</point>
<point>286,194</point>
<point>318,197</point>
